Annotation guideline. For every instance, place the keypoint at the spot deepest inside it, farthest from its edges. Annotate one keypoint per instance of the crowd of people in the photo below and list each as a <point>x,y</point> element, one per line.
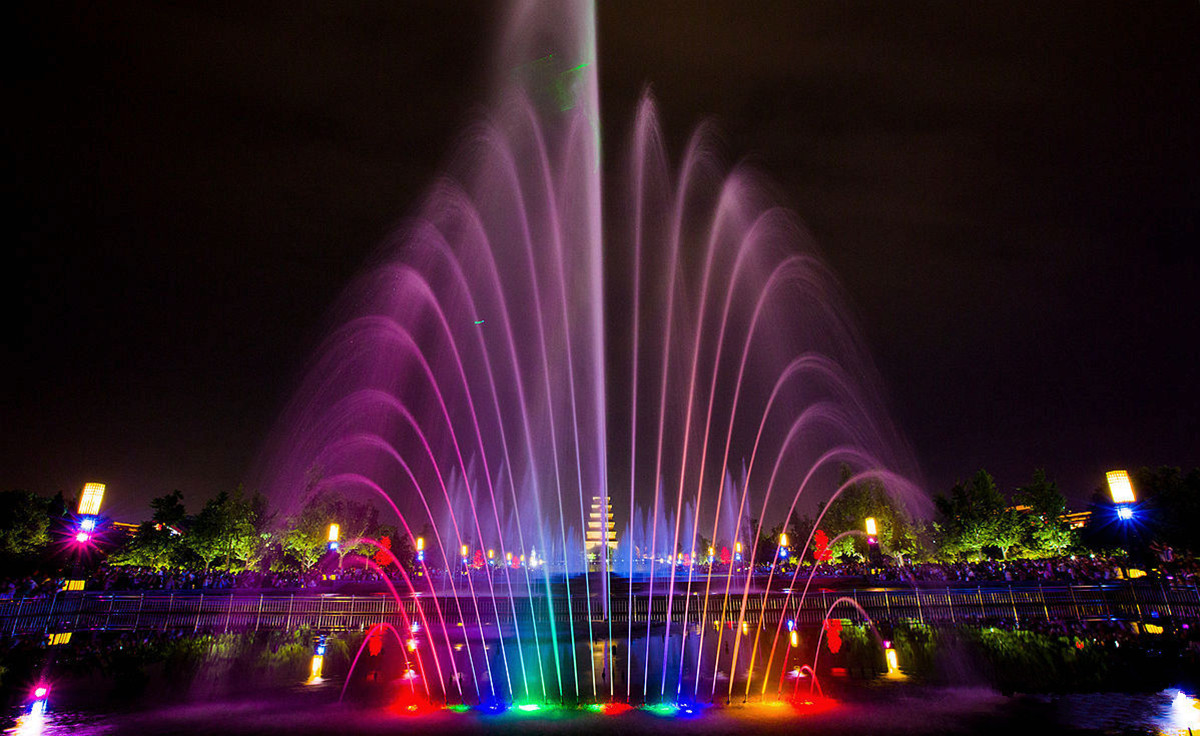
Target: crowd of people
<point>1072,569</point>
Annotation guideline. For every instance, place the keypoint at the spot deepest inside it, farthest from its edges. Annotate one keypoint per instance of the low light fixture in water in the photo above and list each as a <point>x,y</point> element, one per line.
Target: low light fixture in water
<point>893,662</point>
<point>314,669</point>
<point>1185,712</point>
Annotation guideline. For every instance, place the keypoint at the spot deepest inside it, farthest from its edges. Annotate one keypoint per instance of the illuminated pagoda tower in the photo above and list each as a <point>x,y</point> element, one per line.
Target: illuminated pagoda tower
<point>602,528</point>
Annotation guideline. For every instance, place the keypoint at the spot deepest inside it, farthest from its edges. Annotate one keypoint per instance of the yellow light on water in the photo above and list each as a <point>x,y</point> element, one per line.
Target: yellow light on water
<point>1120,487</point>
<point>893,663</point>
<point>334,530</point>
<point>314,669</point>
<point>872,529</point>
<point>89,500</point>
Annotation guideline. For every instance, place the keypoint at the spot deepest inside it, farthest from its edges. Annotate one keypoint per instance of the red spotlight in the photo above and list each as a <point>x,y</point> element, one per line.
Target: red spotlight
<point>82,537</point>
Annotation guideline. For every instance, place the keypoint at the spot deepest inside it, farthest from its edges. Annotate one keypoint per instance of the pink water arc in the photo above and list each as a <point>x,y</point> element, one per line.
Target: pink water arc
<point>484,380</point>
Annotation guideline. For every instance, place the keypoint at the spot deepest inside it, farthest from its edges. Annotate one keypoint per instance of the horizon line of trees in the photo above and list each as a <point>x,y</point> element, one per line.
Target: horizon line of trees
<point>975,520</point>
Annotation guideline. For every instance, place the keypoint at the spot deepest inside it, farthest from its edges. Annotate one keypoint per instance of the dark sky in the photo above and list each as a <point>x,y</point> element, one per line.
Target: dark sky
<point>1008,192</point>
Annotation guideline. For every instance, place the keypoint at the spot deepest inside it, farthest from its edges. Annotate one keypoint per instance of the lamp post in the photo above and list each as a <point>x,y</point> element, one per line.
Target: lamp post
<point>1122,494</point>
<point>89,509</point>
<point>334,532</point>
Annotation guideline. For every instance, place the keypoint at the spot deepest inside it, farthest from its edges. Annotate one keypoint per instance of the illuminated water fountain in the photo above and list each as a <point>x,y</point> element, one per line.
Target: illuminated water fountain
<point>503,401</point>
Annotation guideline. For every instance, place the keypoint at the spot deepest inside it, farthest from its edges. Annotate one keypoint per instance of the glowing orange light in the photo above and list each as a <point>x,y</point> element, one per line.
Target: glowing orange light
<point>334,530</point>
<point>737,547</point>
<point>491,554</point>
<point>893,663</point>
<point>314,670</point>
<point>412,645</point>
<point>872,529</point>
<point>1120,487</point>
<point>464,550</point>
<point>783,540</point>
<point>795,639</point>
<point>89,500</point>
<point>420,544</point>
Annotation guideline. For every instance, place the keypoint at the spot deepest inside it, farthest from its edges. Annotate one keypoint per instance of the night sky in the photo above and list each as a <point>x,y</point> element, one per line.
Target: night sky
<point>1007,191</point>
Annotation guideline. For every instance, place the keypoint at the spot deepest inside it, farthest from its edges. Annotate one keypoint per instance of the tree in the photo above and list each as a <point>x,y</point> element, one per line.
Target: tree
<point>169,509</point>
<point>24,524</point>
<point>897,532</point>
<point>226,528</point>
<point>1046,534</point>
<point>976,515</point>
<point>1173,502</point>
<point>306,536</point>
<point>157,542</point>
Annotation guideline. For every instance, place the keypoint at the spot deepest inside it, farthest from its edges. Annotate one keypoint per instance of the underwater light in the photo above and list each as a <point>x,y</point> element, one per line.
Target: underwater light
<point>528,707</point>
<point>40,692</point>
<point>492,706</point>
<point>893,663</point>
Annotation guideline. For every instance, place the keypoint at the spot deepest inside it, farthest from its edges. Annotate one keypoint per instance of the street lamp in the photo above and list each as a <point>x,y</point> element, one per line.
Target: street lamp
<point>1122,493</point>
<point>89,509</point>
<point>1120,487</point>
<point>420,549</point>
<point>872,528</point>
<point>334,531</point>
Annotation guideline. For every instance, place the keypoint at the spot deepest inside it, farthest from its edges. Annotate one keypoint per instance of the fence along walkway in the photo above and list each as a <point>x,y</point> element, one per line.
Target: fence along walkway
<point>243,610</point>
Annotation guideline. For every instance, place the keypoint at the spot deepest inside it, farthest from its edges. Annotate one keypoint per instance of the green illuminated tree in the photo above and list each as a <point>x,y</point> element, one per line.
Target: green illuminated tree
<point>977,515</point>
<point>24,523</point>
<point>1046,534</point>
<point>227,529</point>
<point>306,537</point>
<point>898,533</point>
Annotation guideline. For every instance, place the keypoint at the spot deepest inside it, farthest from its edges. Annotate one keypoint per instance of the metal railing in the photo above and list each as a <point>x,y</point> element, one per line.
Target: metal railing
<point>243,610</point>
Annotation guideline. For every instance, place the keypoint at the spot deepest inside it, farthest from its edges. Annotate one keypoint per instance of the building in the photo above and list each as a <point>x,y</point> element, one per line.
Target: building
<point>602,528</point>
